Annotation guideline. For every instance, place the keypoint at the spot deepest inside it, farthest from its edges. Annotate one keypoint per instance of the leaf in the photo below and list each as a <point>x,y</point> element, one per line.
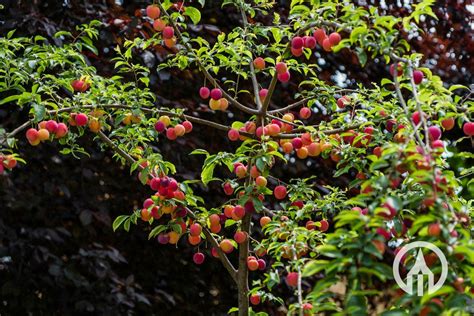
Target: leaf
<point>199,152</point>
<point>10,99</point>
<point>118,221</point>
<point>207,173</point>
<point>39,111</point>
<point>193,13</point>
<point>314,267</point>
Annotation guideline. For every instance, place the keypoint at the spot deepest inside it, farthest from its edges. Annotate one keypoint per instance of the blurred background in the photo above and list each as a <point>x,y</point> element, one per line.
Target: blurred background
<point>58,253</point>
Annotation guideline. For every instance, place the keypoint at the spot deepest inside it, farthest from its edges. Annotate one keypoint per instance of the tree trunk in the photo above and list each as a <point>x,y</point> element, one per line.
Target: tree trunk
<point>243,272</point>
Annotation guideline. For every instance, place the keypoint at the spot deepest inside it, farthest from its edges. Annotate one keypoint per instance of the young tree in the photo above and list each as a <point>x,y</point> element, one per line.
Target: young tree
<point>387,137</point>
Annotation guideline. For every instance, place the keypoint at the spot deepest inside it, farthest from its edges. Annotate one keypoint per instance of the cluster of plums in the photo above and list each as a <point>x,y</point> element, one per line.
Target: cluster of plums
<point>216,101</point>
<point>45,130</point>
<point>163,125</point>
<point>159,25</point>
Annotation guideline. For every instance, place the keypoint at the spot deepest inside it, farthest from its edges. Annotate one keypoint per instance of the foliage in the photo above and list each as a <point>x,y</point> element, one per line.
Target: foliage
<point>404,184</point>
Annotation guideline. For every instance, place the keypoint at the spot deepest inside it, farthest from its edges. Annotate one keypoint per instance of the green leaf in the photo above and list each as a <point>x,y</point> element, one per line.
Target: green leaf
<point>207,173</point>
<point>314,267</point>
<point>118,221</point>
<point>193,13</point>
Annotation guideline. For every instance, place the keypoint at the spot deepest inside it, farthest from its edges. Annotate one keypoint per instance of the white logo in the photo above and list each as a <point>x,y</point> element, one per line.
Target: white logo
<point>420,270</point>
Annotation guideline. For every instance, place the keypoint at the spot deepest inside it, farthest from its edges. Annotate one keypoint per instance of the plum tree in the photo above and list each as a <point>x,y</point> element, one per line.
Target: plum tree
<point>373,167</point>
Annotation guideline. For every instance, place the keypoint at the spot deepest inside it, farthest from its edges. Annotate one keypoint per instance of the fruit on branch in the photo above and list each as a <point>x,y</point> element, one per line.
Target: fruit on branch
<point>254,173</point>
<point>7,162</point>
<point>216,228</point>
<point>223,104</point>
<point>343,101</point>
<point>418,76</point>
<point>216,94</point>
<point>259,63</point>
<point>43,134</point>
<point>32,135</point>
<point>228,189</point>
<point>240,237</point>
<point>305,113</point>
<point>159,25</point>
<point>319,35</point>
<point>448,123</point>
<point>62,130</point>
<point>198,258</point>
<point>238,212</point>
<point>153,11</point>
<point>468,128</point>
<point>327,46</point>
<point>297,52</point>
<point>173,237</point>
<point>188,126</point>
<point>302,153</point>
<point>284,77</point>
<point>241,171</point>
<point>434,132</point>
<point>287,147</point>
<point>437,144</point>
<point>264,220</point>
<point>255,299</point>
<point>434,230</point>
<point>170,42</point>
<point>292,279</point>
<point>145,215</point>
<point>204,92</point>
<point>233,134</point>
<point>261,181</point>
<point>226,246</point>
<point>273,129</point>
<point>399,69</point>
<point>215,105</point>
<point>51,126</point>
<point>281,67</point>
<point>297,42</point>
<point>324,225</point>
<point>261,264</point>
<point>297,143</point>
<point>309,42</point>
<point>80,85</point>
<point>416,117</point>
<point>252,264</point>
<point>94,125</point>
<point>307,309</point>
<point>81,119</point>
<point>179,130</point>
<point>194,240</point>
<point>168,32</point>
<point>334,38</point>
<point>163,238</point>
<point>214,219</point>
<point>195,229</point>
<point>160,126</point>
<point>171,134</point>
<point>280,192</point>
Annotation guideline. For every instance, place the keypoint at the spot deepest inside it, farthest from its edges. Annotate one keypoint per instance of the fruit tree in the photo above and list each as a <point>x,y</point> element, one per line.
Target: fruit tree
<point>392,142</point>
